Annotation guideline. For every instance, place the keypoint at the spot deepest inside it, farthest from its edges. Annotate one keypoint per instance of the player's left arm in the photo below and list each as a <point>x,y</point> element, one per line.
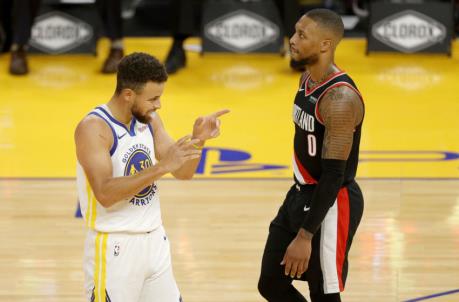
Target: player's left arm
<point>341,110</point>
<point>205,128</point>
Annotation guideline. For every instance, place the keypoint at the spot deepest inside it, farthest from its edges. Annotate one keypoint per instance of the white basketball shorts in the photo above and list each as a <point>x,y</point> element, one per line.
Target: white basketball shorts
<point>123,267</point>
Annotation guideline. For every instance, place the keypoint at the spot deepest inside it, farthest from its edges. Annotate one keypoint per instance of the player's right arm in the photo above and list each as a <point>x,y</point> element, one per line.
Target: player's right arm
<point>93,140</point>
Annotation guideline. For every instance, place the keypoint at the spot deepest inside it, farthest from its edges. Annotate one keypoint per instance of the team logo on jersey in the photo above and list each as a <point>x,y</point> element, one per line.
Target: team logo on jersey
<point>136,162</point>
<point>302,119</point>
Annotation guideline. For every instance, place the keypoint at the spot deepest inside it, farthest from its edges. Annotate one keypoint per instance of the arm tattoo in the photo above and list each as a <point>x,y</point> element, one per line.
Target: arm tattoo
<point>341,111</point>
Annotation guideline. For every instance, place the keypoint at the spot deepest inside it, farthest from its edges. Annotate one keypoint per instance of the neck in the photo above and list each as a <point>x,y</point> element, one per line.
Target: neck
<point>321,70</point>
<point>120,110</point>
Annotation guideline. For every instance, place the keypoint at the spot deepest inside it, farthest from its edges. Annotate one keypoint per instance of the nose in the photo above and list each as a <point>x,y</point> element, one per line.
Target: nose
<point>292,40</point>
<point>157,105</point>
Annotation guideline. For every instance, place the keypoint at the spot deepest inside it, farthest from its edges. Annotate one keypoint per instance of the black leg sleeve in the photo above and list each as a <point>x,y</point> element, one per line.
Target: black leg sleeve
<point>24,13</point>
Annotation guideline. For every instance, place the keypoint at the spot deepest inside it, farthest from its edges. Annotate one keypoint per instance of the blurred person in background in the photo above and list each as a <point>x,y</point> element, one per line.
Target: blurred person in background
<point>112,22</point>
<point>21,14</point>
<point>184,18</point>
<point>18,18</point>
<point>456,16</point>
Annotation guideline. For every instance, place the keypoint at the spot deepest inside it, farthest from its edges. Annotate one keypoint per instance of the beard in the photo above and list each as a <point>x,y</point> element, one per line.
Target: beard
<point>143,118</point>
<point>311,60</point>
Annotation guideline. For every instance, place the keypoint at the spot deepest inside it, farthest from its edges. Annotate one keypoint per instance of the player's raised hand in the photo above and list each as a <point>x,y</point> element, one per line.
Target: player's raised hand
<point>180,152</point>
<point>207,127</point>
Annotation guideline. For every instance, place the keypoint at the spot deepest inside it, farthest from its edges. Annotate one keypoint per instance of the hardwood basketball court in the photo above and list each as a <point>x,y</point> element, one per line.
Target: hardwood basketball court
<point>407,245</point>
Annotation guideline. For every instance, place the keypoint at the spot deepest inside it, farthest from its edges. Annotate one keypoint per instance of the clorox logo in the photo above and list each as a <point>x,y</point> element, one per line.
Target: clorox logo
<point>56,32</point>
<point>241,31</point>
<point>409,31</point>
<point>410,77</point>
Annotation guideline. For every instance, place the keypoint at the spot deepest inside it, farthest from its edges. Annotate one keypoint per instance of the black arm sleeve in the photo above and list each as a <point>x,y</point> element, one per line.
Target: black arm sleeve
<point>325,193</point>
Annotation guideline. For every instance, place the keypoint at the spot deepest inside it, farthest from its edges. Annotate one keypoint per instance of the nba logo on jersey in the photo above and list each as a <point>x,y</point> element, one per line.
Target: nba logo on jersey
<point>313,100</point>
<point>116,249</point>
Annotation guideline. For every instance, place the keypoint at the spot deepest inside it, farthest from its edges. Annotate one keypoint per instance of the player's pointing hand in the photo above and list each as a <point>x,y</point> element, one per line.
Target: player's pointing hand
<point>207,127</point>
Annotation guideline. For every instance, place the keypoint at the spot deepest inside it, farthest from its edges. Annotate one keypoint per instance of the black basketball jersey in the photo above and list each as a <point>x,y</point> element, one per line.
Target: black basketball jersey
<point>309,130</point>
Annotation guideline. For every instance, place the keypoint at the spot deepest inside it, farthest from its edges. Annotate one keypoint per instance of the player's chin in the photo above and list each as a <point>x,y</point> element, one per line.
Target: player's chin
<point>295,56</point>
<point>145,119</point>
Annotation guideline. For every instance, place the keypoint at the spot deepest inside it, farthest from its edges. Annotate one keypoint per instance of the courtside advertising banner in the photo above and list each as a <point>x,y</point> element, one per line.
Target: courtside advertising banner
<point>65,28</point>
<point>410,28</point>
<point>234,26</point>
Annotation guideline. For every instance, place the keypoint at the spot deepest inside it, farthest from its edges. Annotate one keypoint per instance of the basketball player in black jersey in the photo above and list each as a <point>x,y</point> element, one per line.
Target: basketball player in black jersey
<point>311,235</point>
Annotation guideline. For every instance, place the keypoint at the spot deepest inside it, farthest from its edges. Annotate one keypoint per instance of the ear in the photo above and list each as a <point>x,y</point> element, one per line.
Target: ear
<point>128,94</point>
<point>326,45</point>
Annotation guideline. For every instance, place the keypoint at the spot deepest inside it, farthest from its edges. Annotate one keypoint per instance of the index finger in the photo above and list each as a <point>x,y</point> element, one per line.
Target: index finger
<point>183,139</point>
<point>288,266</point>
<point>220,113</point>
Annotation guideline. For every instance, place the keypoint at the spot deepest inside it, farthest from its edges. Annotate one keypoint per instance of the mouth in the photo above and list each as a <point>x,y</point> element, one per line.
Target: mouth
<point>293,49</point>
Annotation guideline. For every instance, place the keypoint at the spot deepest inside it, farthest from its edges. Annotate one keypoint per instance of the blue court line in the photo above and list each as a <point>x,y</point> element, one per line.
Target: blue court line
<point>450,292</point>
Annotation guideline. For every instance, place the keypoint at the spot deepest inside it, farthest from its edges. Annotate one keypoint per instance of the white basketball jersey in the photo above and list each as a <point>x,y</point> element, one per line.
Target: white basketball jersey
<point>132,151</point>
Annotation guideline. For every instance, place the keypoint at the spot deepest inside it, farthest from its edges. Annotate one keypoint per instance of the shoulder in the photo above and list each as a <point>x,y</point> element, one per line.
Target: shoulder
<point>91,127</point>
<point>91,123</point>
<point>342,93</point>
<point>341,100</point>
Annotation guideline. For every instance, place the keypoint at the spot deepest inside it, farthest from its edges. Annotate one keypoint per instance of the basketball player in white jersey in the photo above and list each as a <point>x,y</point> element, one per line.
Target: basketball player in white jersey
<point>123,149</point>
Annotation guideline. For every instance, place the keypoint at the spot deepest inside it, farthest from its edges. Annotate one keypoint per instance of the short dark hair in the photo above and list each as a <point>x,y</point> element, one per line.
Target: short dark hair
<point>138,68</point>
<point>327,19</point>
